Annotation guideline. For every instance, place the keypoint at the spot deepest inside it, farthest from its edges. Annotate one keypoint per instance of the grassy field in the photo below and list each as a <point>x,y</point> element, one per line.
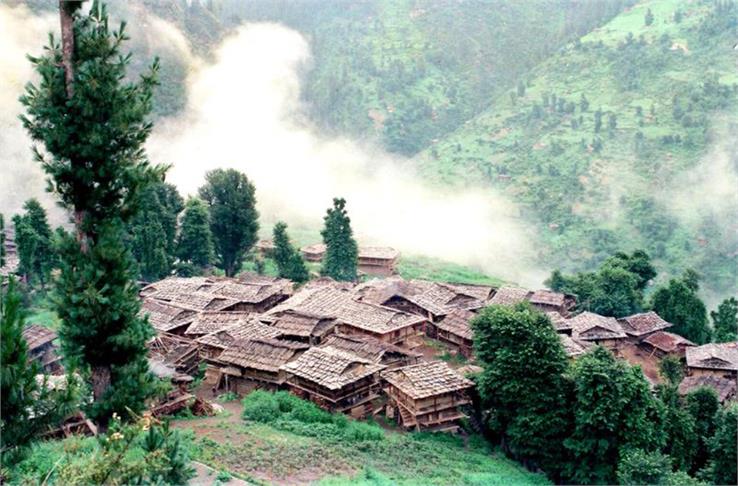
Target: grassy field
<point>288,451</point>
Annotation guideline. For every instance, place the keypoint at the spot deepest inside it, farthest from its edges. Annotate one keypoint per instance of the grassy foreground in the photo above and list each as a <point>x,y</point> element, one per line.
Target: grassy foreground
<point>287,440</point>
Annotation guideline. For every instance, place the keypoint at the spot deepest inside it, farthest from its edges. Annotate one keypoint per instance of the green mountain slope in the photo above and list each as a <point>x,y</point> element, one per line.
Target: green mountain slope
<point>410,71</point>
<point>608,137</point>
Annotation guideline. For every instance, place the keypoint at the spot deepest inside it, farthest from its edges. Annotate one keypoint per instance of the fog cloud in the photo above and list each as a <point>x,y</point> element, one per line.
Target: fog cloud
<point>244,112</point>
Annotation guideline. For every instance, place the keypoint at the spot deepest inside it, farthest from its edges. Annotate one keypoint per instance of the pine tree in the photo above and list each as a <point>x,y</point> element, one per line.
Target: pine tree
<point>648,18</point>
<point>195,242</point>
<point>34,243</point>
<point>614,411</point>
<point>2,241</point>
<point>153,230</point>
<point>234,220</point>
<point>522,386</point>
<point>93,124</point>
<point>679,304</point>
<point>725,321</point>
<point>342,252</point>
<point>26,407</point>
<point>289,262</point>
<point>598,120</point>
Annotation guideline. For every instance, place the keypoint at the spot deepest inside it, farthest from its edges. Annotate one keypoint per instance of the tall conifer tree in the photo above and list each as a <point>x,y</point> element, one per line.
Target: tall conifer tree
<point>342,252</point>
<point>34,243</point>
<point>289,262</point>
<point>93,124</point>
<point>195,241</point>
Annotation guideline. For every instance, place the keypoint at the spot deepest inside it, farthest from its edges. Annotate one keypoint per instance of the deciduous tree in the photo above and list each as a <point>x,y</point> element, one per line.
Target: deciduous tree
<point>703,405</point>
<point>723,455</point>
<point>522,387</point>
<point>679,304</point>
<point>342,252</point>
<point>725,321</point>
<point>234,220</point>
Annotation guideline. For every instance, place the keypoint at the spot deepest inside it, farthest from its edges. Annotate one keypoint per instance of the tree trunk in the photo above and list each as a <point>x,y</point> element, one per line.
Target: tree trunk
<point>100,381</point>
<point>66,15</point>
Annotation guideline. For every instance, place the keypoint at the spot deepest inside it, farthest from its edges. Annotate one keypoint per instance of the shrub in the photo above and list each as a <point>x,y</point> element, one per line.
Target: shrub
<point>362,431</point>
<point>261,406</point>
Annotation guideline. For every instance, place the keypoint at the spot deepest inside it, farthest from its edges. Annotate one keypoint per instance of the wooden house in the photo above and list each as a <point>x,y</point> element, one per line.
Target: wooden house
<point>598,329</point>
<point>427,396</point>
<point>167,317</point>
<point>41,348</point>
<point>303,327</point>
<point>455,329</point>
<point>510,296</point>
<point>640,326</point>
<point>724,387</point>
<point>373,350</point>
<point>662,343</point>
<point>719,360</point>
<point>256,363</point>
<point>180,353</point>
<point>313,253</point>
<point>378,260</point>
<point>550,301</point>
<point>213,344</point>
<point>335,380</point>
<point>265,247</point>
<point>253,293</point>
<point>431,300</point>
<point>198,301</point>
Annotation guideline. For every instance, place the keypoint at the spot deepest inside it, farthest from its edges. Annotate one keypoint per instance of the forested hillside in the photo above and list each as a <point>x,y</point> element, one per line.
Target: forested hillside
<point>610,141</point>
<point>409,71</point>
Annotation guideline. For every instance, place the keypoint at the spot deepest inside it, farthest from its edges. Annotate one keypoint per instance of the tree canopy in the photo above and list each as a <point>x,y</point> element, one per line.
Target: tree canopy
<point>725,321</point>
<point>290,263</point>
<point>234,221</point>
<point>678,303</point>
<point>34,242</point>
<point>195,241</point>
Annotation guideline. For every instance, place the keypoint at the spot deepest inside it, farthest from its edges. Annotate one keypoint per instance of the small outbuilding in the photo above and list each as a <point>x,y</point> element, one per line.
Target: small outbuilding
<point>41,348</point>
<point>662,343</point>
<point>598,329</point>
<point>714,359</point>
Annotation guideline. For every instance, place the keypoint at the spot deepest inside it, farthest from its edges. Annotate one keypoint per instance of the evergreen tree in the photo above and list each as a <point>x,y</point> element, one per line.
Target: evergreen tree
<point>195,242</point>
<point>640,467</point>
<point>234,220</point>
<point>522,387</point>
<point>703,405</point>
<point>342,252</point>
<point>725,321</point>
<point>648,18</point>
<point>521,89</point>
<point>34,243</point>
<point>289,261</point>
<point>598,120</point>
<point>153,230</point>
<point>614,411</point>
<point>93,124</point>
<point>723,455</point>
<point>26,407</point>
<point>2,240</point>
<point>583,103</point>
<point>679,304</point>
<point>670,369</point>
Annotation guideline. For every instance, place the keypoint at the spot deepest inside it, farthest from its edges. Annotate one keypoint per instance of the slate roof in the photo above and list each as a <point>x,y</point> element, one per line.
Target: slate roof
<point>378,252</point>
<point>298,324</point>
<point>573,347</point>
<point>427,379</point>
<point>547,297</point>
<point>365,347</point>
<point>37,336</point>
<point>243,330</point>
<point>667,342</point>
<point>644,323</point>
<point>590,326</point>
<point>722,356</point>
<point>199,301</point>
<point>248,292</point>
<point>165,316</point>
<point>262,354</point>
<point>178,285</point>
<point>207,322</point>
<point>331,367</point>
<point>510,295</point>
<point>559,322</point>
<point>457,322</point>
<point>724,387</point>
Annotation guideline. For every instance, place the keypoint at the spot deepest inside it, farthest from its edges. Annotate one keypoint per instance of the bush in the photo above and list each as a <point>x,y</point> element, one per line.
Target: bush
<point>362,431</point>
<point>261,406</point>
